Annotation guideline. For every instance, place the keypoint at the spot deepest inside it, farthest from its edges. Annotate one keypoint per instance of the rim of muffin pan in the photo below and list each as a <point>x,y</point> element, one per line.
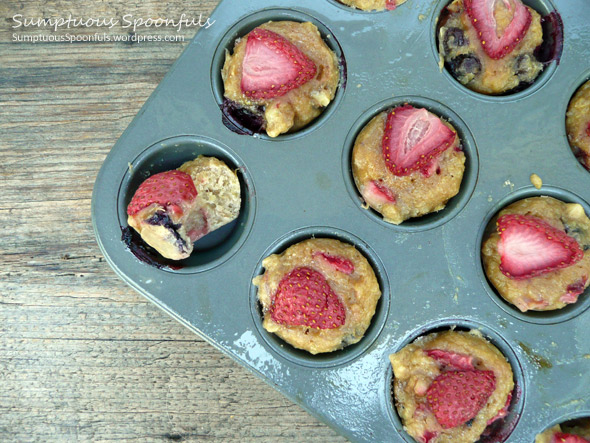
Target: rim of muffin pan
<point>583,414</point>
<point>544,8</point>
<point>243,27</point>
<point>214,248</point>
<point>539,317</point>
<point>358,10</point>
<point>470,175</point>
<point>574,86</point>
<point>348,353</point>
<point>502,429</point>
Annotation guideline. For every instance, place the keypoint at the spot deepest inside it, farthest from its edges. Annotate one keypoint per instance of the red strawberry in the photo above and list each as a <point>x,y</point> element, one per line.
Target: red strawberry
<point>428,435</point>
<point>273,65</point>
<point>588,130</point>
<point>412,140</point>
<point>561,437</point>
<point>502,412</point>
<point>481,13</point>
<point>457,361</point>
<point>377,192</point>
<point>573,290</point>
<point>304,298</point>
<point>167,189</point>
<point>390,4</point>
<point>339,263</point>
<point>456,397</point>
<point>530,247</point>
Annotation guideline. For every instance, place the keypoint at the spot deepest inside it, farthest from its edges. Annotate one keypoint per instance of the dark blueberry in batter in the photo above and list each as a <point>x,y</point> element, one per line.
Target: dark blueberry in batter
<point>524,65</point>
<point>162,219</point>
<point>241,120</point>
<point>453,38</point>
<point>465,67</point>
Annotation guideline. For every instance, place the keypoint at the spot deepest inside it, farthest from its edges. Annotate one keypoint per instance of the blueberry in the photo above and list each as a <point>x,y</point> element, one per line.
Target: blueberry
<point>524,64</point>
<point>453,38</point>
<point>242,120</point>
<point>465,67</point>
<point>163,219</point>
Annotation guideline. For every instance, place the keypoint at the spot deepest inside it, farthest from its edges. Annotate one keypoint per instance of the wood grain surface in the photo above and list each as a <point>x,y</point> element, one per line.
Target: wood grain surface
<point>83,357</point>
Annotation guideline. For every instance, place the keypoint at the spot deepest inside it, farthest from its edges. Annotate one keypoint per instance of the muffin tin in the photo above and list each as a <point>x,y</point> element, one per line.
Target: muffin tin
<point>300,185</point>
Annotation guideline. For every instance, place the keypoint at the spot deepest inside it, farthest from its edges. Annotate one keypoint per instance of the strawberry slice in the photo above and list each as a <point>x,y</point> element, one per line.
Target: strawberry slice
<point>502,412</point>
<point>574,290</point>
<point>453,359</point>
<point>562,437</point>
<point>529,247</point>
<point>168,189</point>
<point>273,66</point>
<point>340,264</point>
<point>428,436</point>
<point>390,4</point>
<point>413,139</point>
<point>498,44</point>
<point>456,397</point>
<point>377,192</point>
<point>305,298</point>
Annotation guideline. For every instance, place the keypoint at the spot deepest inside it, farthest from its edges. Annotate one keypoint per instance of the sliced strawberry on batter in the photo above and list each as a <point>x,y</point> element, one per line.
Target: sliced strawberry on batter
<point>529,247</point>
<point>502,412</point>
<point>498,44</point>
<point>305,298</point>
<point>574,290</point>
<point>453,359</point>
<point>392,4</point>
<point>377,192</point>
<point>341,264</point>
<point>562,437</point>
<point>413,139</point>
<point>428,436</point>
<point>168,189</point>
<point>273,65</point>
<point>456,397</point>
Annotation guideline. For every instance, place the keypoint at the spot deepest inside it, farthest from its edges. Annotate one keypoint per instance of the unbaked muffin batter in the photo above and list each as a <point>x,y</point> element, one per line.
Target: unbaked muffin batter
<point>297,107</point>
<point>318,295</point>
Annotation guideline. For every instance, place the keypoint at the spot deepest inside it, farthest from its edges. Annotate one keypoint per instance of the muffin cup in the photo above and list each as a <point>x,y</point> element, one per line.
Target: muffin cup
<point>230,116</point>
<point>467,143</point>
<point>552,26</point>
<point>215,247</point>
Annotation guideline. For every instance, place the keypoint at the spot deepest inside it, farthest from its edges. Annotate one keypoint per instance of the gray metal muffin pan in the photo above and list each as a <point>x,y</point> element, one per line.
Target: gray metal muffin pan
<point>299,186</point>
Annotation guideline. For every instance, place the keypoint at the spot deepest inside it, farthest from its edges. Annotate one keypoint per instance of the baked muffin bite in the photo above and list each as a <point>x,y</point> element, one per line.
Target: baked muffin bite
<point>489,45</point>
<point>572,431</point>
<point>373,5</point>
<point>537,258</point>
<point>578,124</point>
<point>281,74</point>
<point>407,162</point>
<point>173,209</point>
<point>450,386</point>
<point>318,295</point>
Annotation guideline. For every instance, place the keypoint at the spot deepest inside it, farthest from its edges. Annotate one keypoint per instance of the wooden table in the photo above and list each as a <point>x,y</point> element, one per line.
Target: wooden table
<point>82,355</point>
